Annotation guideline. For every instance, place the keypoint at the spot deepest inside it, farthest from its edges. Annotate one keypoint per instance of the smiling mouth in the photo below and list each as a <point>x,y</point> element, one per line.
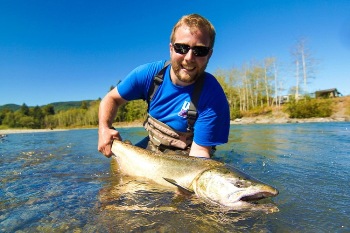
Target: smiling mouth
<point>188,68</point>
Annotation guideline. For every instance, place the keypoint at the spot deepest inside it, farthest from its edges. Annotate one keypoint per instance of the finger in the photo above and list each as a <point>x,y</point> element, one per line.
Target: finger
<point>116,135</point>
<point>107,151</point>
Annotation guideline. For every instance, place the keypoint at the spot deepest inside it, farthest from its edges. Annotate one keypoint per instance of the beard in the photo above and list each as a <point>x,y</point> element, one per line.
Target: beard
<point>185,76</point>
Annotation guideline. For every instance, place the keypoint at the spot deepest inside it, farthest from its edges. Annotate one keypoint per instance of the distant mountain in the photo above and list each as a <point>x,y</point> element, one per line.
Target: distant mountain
<point>12,107</point>
<point>58,106</point>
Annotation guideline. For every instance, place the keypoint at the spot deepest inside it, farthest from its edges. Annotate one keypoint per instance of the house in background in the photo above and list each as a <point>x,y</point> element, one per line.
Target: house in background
<point>328,93</point>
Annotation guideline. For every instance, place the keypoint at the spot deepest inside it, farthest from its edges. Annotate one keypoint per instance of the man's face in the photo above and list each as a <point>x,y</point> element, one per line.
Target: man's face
<point>187,68</point>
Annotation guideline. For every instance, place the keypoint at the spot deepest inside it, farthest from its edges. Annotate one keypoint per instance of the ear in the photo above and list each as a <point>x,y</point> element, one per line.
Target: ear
<point>210,53</point>
<point>170,48</point>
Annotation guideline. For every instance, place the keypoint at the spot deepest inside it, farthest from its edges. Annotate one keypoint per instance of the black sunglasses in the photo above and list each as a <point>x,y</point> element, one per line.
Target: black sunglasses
<point>199,51</point>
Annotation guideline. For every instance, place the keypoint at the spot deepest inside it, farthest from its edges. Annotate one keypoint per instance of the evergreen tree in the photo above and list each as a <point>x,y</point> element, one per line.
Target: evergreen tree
<point>24,110</point>
<point>48,110</point>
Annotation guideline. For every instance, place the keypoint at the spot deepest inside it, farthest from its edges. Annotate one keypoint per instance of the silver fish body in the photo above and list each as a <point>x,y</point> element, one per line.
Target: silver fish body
<point>211,180</point>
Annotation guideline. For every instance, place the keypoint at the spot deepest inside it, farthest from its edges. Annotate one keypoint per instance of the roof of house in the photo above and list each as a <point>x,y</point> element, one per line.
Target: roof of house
<point>328,90</point>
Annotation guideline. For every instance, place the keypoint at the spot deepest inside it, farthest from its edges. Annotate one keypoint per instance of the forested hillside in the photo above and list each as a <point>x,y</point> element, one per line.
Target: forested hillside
<point>58,106</point>
<point>67,115</point>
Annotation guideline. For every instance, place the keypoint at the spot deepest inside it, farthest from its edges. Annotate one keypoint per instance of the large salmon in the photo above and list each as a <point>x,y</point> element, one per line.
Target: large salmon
<point>210,180</point>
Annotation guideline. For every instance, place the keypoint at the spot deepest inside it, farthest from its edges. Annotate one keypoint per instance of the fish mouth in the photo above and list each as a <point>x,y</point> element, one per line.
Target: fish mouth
<point>258,196</point>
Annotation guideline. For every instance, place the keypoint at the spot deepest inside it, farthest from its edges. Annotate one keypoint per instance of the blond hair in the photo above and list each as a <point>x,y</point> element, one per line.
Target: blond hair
<point>195,21</point>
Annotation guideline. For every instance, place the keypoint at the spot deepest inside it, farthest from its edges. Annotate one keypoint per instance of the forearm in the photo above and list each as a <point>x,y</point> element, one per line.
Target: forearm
<point>107,112</point>
<point>108,108</point>
<point>200,151</point>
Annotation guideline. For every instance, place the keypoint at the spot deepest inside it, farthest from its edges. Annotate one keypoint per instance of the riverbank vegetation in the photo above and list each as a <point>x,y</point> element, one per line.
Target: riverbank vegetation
<point>45,117</point>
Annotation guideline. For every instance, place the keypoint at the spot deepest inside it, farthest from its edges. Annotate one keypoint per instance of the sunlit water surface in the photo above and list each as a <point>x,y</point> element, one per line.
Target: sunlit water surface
<point>58,182</point>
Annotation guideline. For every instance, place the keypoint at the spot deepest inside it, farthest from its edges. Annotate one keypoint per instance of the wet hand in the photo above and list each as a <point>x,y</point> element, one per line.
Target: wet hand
<point>106,136</point>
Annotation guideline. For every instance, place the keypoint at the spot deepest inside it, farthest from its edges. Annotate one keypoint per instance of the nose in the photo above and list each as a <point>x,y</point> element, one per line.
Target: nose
<point>190,55</point>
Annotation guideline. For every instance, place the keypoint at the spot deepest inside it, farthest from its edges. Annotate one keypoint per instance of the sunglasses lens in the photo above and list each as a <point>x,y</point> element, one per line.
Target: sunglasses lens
<point>181,48</point>
<point>199,51</point>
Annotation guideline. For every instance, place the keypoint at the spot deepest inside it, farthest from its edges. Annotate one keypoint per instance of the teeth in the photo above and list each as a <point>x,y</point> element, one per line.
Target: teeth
<point>188,68</point>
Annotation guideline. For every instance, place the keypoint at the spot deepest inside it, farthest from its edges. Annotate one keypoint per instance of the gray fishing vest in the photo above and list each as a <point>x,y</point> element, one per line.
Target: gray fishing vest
<point>162,134</point>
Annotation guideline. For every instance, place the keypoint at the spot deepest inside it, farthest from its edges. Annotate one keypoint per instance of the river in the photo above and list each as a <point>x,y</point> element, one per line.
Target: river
<point>59,182</point>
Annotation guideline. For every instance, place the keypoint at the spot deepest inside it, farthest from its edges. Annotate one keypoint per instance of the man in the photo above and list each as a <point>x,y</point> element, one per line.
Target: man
<point>191,46</point>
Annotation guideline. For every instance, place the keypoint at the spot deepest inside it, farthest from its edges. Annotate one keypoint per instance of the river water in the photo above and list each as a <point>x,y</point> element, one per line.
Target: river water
<point>58,182</point>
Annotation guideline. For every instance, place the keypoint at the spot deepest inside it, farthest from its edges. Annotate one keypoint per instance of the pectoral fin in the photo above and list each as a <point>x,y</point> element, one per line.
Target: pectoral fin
<point>171,181</point>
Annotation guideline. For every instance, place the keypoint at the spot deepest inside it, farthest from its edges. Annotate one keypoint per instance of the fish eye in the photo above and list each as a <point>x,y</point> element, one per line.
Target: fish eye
<point>239,184</point>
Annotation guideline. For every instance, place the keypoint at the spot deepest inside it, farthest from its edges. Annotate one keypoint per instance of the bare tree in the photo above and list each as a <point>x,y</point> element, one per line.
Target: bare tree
<point>270,74</point>
<point>297,77</point>
<point>302,57</point>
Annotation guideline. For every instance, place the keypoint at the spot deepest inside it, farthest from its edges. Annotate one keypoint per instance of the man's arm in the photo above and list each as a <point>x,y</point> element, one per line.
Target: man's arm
<point>200,151</point>
<point>107,112</point>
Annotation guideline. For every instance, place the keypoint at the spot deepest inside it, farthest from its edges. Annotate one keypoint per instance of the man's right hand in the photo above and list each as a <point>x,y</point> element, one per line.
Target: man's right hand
<point>106,136</point>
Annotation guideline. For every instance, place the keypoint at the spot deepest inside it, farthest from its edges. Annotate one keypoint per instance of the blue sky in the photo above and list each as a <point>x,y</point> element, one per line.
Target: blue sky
<point>66,50</point>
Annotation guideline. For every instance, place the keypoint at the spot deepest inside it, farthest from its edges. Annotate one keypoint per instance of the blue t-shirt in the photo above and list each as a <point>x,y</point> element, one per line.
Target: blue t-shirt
<point>170,103</point>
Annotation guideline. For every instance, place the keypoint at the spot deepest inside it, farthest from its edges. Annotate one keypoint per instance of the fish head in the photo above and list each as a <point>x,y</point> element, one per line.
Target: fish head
<point>230,187</point>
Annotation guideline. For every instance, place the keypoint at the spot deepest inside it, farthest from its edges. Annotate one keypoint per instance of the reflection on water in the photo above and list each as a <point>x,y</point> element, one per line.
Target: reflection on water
<point>139,205</point>
<point>58,182</point>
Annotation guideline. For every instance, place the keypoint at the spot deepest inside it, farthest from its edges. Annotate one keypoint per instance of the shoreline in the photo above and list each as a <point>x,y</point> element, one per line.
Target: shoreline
<point>238,121</point>
<point>15,131</point>
<point>286,120</point>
